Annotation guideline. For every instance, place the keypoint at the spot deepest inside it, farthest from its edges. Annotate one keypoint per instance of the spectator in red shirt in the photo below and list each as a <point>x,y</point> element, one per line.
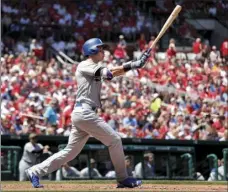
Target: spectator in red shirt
<point>219,124</point>
<point>171,51</point>
<point>36,48</point>
<point>122,42</point>
<point>197,47</point>
<point>66,115</point>
<point>224,49</point>
<point>141,42</point>
<point>120,53</point>
<point>163,131</point>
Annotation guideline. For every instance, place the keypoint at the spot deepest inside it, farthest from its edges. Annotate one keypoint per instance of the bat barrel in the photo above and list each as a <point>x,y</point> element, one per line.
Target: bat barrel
<point>167,24</point>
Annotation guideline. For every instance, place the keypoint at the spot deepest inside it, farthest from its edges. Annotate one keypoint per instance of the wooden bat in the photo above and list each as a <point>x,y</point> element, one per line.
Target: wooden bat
<point>167,24</point>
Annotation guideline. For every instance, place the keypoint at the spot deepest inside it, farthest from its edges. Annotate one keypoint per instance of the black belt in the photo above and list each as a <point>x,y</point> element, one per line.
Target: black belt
<point>85,105</point>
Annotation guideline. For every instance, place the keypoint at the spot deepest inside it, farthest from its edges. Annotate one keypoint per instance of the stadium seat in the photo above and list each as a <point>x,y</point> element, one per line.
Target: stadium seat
<point>161,56</point>
<point>181,55</point>
<point>191,56</point>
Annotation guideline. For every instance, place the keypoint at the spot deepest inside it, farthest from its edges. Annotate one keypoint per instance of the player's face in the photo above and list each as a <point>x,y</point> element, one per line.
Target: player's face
<point>151,159</point>
<point>127,163</point>
<point>33,140</point>
<point>100,53</point>
<point>99,56</point>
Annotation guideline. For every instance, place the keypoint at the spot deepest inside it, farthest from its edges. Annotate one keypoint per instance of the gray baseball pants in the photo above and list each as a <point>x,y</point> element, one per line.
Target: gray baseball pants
<point>22,167</point>
<point>86,122</point>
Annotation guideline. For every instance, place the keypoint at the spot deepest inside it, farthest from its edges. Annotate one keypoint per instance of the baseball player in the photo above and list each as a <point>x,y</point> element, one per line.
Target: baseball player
<point>31,154</point>
<point>85,121</point>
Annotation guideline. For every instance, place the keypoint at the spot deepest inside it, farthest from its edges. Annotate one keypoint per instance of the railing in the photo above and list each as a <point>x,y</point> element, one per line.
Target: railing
<point>12,159</point>
<point>191,167</point>
<point>225,158</point>
<point>59,55</point>
<point>214,166</point>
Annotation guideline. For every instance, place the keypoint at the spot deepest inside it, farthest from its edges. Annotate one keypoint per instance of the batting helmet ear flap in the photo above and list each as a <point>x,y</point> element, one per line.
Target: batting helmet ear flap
<point>90,47</point>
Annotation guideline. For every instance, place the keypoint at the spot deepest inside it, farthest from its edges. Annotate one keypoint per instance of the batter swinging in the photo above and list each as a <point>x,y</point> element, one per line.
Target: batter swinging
<point>86,122</point>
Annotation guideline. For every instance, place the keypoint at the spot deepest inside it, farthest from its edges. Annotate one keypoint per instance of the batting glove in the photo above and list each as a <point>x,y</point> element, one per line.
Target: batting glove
<point>145,56</point>
<point>138,63</point>
<point>142,61</point>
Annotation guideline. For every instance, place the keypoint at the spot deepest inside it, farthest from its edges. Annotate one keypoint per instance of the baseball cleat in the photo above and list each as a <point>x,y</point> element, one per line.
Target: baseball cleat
<point>129,182</point>
<point>34,179</point>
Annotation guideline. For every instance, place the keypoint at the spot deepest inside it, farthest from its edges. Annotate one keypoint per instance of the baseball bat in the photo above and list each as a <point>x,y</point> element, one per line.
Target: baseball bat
<point>167,24</point>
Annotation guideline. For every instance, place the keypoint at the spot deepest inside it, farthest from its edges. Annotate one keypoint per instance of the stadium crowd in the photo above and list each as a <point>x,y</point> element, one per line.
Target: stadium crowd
<point>170,99</point>
<point>65,25</point>
<point>173,98</point>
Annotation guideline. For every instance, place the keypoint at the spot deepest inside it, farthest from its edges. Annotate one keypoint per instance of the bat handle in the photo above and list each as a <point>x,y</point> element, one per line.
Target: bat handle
<point>148,50</point>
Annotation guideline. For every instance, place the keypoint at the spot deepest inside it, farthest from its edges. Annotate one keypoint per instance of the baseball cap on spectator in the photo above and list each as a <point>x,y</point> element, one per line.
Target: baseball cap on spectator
<point>179,114</point>
<point>54,101</point>
<point>32,103</point>
<point>133,104</point>
<point>223,73</point>
<point>121,37</point>
<point>3,116</point>
<point>172,99</point>
<point>150,118</point>
<point>187,66</point>
<point>60,130</point>
<point>181,134</point>
<point>224,81</point>
<point>13,79</point>
<point>31,95</point>
<point>179,100</point>
<point>92,161</point>
<point>12,109</point>
<point>155,95</point>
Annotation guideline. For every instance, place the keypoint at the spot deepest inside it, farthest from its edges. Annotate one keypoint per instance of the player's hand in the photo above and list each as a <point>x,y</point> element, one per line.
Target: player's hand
<point>145,56</point>
<point>138,63</point>
<point>141,62</point>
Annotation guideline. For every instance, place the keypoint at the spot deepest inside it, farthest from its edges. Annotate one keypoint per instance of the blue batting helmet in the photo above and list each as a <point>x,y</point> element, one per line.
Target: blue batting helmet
<point>90,46</point>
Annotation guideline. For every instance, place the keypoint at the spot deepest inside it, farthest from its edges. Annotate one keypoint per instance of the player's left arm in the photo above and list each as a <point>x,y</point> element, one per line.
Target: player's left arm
<point>120,70</point>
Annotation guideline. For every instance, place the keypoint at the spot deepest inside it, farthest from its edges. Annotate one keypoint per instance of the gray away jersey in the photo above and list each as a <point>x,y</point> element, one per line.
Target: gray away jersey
<point>89,86</point>
<point>28,155</point>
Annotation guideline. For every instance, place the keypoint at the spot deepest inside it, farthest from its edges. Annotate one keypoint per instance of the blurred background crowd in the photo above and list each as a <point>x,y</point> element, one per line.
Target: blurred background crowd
<point>177,95</point>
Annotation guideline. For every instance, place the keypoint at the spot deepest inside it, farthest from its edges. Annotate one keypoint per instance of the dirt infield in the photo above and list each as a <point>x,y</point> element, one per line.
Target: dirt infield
<point>111,186</point>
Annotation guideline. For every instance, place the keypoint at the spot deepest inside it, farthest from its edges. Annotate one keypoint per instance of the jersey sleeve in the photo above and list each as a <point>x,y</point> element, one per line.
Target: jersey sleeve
<point>40,146</point>
<point>90,69</point>
<point>28,147</point>
<point>106,74</point>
